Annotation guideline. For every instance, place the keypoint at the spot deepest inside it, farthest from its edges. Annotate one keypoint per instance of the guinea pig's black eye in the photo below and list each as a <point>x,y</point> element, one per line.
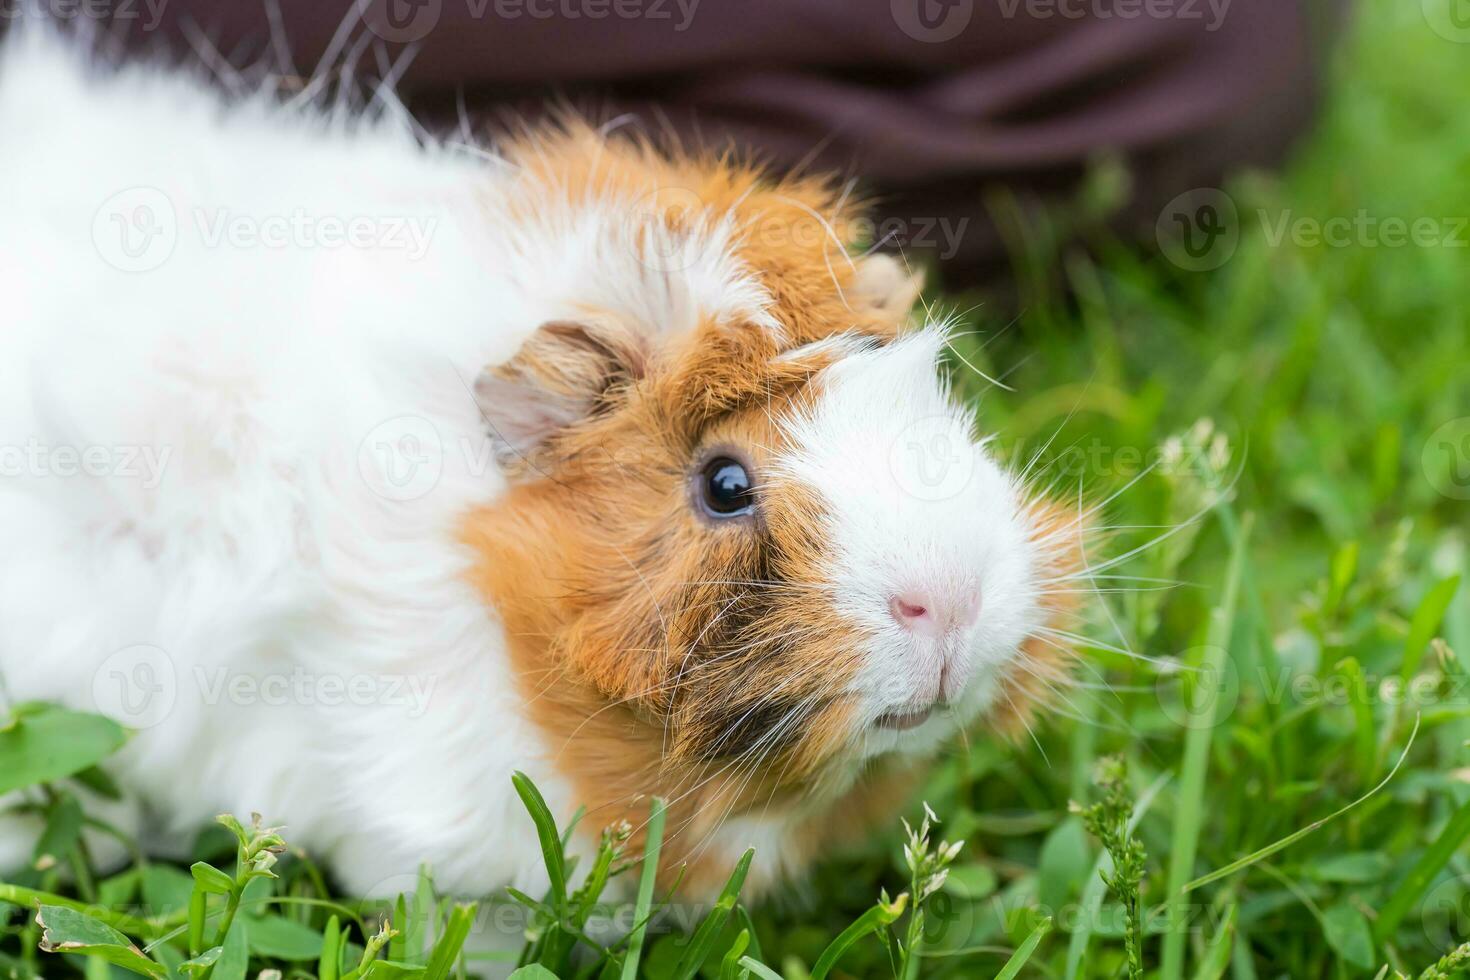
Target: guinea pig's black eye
<point>724,488</point>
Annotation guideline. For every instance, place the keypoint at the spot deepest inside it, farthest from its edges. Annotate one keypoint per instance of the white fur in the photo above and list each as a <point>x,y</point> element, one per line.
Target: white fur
<point>914,503</point>
<point>252,556</point>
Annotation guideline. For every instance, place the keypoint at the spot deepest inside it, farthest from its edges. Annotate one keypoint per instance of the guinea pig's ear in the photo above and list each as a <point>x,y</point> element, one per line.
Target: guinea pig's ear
<point>561,375</point>
<point>886,284</point>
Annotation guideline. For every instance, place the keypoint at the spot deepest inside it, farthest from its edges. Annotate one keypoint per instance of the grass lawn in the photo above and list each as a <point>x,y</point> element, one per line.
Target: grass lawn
<point>1273,657</point>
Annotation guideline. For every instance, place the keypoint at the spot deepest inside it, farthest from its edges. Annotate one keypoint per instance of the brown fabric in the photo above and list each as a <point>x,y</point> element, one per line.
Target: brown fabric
<point>930,102</point>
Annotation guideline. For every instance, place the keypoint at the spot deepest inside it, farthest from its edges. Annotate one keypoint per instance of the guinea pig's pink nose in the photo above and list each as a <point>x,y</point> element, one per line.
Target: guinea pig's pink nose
<point>922,612</point>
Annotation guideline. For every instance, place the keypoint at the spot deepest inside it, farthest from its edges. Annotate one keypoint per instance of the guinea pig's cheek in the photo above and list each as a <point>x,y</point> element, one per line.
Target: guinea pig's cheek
<point>827,735</point>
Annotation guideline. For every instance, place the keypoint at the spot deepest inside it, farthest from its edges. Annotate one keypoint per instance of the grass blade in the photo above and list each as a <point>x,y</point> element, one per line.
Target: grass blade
<point>1190,814</point>
<point>425,912</point>
<point>330,962</point>
<point>398,944</point>
<point>702,943</point>
<point>880,916</point>
<point>653,841</point>
<point>760,969</point>
<point>1292,838</point>
<point>1424,624</point>
<point>730,966</point>
<point>1217,954</point>
<point>551,849</point>
<point>1430,862</point>
<point>451,941</point>
<point>1023,952</point>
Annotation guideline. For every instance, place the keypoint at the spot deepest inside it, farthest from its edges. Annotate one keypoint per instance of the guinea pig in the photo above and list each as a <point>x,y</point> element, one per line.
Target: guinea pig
<point>356,469</point>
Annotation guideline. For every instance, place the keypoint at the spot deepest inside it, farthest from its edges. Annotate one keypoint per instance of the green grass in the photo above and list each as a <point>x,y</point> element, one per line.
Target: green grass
<point>1321,568</point>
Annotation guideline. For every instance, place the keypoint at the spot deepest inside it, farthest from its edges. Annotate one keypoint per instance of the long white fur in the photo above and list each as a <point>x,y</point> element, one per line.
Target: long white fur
<point>314,443</point>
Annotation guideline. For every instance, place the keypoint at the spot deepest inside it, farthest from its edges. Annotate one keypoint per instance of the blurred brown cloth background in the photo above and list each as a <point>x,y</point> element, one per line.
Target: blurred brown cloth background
<point>929,102</point>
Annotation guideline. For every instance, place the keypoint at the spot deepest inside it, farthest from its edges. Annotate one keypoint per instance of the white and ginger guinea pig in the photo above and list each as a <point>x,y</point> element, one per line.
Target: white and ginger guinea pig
<point>706,522</point>
<point>742,563</point>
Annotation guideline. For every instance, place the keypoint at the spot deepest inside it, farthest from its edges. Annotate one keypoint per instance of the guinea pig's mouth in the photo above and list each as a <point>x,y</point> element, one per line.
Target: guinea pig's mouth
<point>902,721</point>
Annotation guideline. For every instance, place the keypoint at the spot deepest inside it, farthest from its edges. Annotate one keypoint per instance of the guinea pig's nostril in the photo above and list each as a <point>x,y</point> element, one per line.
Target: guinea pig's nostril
<point>920,612</point>
<point>910,610</point>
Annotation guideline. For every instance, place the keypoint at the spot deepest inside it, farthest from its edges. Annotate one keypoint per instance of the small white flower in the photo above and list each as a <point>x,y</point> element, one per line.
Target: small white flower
<point>935,882</point>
